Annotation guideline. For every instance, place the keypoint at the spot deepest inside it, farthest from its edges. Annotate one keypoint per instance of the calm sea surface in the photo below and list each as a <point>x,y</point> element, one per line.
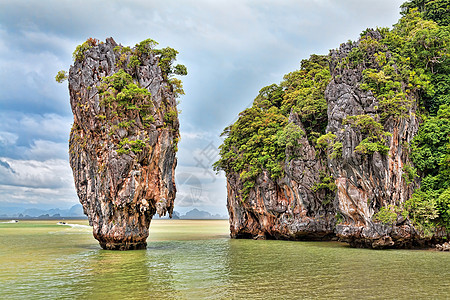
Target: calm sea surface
<point>196,259</point>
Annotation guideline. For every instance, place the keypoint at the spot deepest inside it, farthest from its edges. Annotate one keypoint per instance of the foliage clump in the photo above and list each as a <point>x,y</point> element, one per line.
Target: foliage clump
<point>133,58</point>
<point>258,140</point>
<point>328,143</point>
<point>436,10</point>
<point>78,54</point>
<point>61,76</point>
<point>375,136</point>
<point>125,146</point>
<point>326,185</point>
<point>387,215</point>
<point>430,151</point>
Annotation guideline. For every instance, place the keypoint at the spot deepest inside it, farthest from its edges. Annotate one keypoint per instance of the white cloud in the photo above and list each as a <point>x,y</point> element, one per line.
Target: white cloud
<point>198,187</point>
<point>49,174</point>
<point>63,197</point>
<point>35,182</point>
<point>44,150</point>
<point>8,138</point>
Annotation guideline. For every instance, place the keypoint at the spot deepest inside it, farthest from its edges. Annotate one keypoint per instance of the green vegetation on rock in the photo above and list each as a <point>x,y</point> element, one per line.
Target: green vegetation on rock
<point>430,151</point>
<point>78,54</point>
<point>61,76</point>
<point>387,215</point>
<point>258,140</point>
<point>436,10</point>
<point>124,104</point>
<point>125,146</point>
<point>406,69</point>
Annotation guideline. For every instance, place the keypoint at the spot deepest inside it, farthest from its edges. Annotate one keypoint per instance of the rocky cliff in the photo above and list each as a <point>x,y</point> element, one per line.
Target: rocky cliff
<point>283,208</point>
<point>344,167</point>
<point>124,139</point>
<point>367,181</point>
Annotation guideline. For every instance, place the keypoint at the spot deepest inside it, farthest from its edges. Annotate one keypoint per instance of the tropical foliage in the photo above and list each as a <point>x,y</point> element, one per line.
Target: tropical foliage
<point>258,140</point>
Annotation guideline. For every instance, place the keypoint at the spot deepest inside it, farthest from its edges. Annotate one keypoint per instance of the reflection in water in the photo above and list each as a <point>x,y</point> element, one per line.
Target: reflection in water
<point>117,274</point>
<point>194,259</point>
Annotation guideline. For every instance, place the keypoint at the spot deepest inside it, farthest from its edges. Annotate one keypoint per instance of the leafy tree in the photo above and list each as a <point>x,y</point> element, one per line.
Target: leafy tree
<point>180,70</point>
<point>78,54</point>
<point>436,10</point>
<point>61,76</point>
<point>430,205</point>
<point>146,47</point>
<point>304,92</point>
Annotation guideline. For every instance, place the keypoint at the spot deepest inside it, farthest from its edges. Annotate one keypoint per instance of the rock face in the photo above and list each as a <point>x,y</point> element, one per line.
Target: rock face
<point>123,142</point>
<point>285,208</point>
<point>443,247</point>
<point>365,183</point>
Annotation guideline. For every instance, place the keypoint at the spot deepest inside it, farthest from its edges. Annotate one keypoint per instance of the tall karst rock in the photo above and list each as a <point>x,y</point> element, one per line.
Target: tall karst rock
<point>369,173</point>
<point>124,137</point>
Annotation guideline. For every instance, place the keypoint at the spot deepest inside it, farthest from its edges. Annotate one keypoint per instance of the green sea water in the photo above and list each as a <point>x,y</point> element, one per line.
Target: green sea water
<point>197,259</point>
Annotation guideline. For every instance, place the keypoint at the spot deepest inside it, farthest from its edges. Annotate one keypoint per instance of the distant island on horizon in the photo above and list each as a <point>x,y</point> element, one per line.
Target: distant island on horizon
<point>76,212</point>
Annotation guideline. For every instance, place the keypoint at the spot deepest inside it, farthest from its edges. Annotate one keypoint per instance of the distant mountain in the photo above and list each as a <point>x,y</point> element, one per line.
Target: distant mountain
<point>75,211</point>
<point>193,214</point>
<point>175,216</point>
<point>196,214</point>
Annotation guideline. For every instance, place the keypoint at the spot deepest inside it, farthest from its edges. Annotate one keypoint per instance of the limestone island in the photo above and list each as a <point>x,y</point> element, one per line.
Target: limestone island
<point>354,146</point>
<point>124,136</point>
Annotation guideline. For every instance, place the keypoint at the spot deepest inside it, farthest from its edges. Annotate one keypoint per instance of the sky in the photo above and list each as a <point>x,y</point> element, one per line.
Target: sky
<point>232,48</point>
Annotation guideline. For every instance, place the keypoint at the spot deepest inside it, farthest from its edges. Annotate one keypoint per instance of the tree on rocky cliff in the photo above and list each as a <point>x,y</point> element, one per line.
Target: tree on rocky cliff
<point>259,138</point>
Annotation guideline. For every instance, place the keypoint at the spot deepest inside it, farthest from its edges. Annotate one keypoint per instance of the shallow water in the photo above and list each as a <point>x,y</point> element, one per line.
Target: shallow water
<point>196,259</point>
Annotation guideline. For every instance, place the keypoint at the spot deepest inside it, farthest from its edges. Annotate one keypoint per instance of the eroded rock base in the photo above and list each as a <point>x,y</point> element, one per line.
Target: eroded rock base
<point>123,246</point>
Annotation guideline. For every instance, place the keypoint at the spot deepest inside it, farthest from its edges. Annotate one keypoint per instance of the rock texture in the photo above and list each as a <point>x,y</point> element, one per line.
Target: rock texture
<point>365,183</point>
<point>289,208</point>
<point>443,247</point>
<point>286,208</point>
<point>121,190</point>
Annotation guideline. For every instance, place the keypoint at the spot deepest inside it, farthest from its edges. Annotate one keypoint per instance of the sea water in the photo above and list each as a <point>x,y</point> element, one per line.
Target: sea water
<point>197,259</point>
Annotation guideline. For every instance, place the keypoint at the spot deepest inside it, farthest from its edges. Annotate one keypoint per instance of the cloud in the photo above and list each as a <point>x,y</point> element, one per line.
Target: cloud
<point>53,173</point>
<point>198,187</point>
<point>42,150</point>
<point>27,135</point>
<point>34,182</point>
<point>5,165</point>
<point>40,197</point>
<point>8,138</point>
